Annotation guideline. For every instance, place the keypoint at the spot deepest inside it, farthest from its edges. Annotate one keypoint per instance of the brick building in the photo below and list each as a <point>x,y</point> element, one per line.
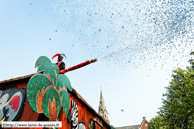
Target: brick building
<point>143,125</point>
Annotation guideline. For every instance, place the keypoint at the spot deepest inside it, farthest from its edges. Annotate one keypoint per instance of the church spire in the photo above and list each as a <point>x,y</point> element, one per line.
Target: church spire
<point>102,108</point>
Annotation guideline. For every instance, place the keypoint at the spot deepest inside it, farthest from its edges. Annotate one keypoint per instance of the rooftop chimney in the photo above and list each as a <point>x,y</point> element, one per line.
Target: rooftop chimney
<point>144,118</point>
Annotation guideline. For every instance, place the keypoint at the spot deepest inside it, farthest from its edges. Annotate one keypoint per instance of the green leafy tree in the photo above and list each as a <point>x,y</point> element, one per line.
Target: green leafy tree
<point>156,123</point>
<point>178,106</point>
<point>191,61</point>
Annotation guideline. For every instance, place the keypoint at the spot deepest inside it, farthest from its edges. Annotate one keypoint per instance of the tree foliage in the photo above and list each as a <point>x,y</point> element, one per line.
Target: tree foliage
<point>178,103</point>
<point>156,123</point>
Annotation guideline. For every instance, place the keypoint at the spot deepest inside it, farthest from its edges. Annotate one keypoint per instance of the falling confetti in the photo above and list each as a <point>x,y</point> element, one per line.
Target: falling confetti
<point>134,32</point>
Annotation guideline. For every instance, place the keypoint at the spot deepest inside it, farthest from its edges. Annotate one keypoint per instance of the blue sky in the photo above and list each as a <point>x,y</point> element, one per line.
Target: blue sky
<point>144,41</point>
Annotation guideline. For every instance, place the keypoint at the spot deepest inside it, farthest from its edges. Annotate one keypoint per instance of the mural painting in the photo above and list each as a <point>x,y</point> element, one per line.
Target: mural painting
<point>47,92</point>
<point>98,121</point>
<point>73,117</point>
<point>91,124</point>
<point>11,104</point>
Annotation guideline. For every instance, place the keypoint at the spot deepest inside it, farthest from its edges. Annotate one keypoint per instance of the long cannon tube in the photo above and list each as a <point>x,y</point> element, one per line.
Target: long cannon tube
<point>78,66</point>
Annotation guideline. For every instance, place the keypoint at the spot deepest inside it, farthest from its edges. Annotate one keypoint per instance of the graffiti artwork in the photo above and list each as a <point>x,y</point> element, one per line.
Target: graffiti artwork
<point>47,92</point>
<point>73,117</point>
<point>11,104</point>
<point>91,124</point>
<point>98,121</point>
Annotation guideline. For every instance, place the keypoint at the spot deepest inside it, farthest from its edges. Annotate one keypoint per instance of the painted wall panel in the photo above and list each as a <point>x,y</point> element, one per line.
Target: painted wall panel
<point>85,113</point>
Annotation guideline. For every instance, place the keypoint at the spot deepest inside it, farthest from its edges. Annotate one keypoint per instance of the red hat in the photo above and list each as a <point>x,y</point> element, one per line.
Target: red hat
<point>58,54</point>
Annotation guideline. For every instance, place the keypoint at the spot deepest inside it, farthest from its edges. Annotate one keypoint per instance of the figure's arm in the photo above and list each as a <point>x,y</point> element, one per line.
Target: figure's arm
<point>78,66</point>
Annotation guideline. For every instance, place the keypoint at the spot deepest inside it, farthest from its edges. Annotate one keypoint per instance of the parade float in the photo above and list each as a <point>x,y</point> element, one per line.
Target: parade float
<point>48,96</point>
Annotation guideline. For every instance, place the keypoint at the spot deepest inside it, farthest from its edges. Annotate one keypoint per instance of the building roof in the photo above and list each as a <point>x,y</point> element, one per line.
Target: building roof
<point>133,126</point>
<point>144,120</point>
<point>129,127</point>
<point>19,78</point>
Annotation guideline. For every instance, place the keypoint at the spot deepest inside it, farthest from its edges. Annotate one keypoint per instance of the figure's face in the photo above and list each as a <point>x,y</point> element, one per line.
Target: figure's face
<point>74,118</point>
<point>60,58</point>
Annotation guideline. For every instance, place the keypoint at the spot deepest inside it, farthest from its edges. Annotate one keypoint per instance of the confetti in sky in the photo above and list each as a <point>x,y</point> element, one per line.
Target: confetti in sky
<point>132,31</point>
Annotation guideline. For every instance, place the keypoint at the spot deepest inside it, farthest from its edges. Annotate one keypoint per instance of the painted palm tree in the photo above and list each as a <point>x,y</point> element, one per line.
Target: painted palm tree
<point>47,92</point>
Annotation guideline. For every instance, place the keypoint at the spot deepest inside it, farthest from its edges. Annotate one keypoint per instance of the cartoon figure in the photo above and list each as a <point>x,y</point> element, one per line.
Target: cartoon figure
<point>11,104</point>
<point>60,63</point>
<point>73,117</point>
